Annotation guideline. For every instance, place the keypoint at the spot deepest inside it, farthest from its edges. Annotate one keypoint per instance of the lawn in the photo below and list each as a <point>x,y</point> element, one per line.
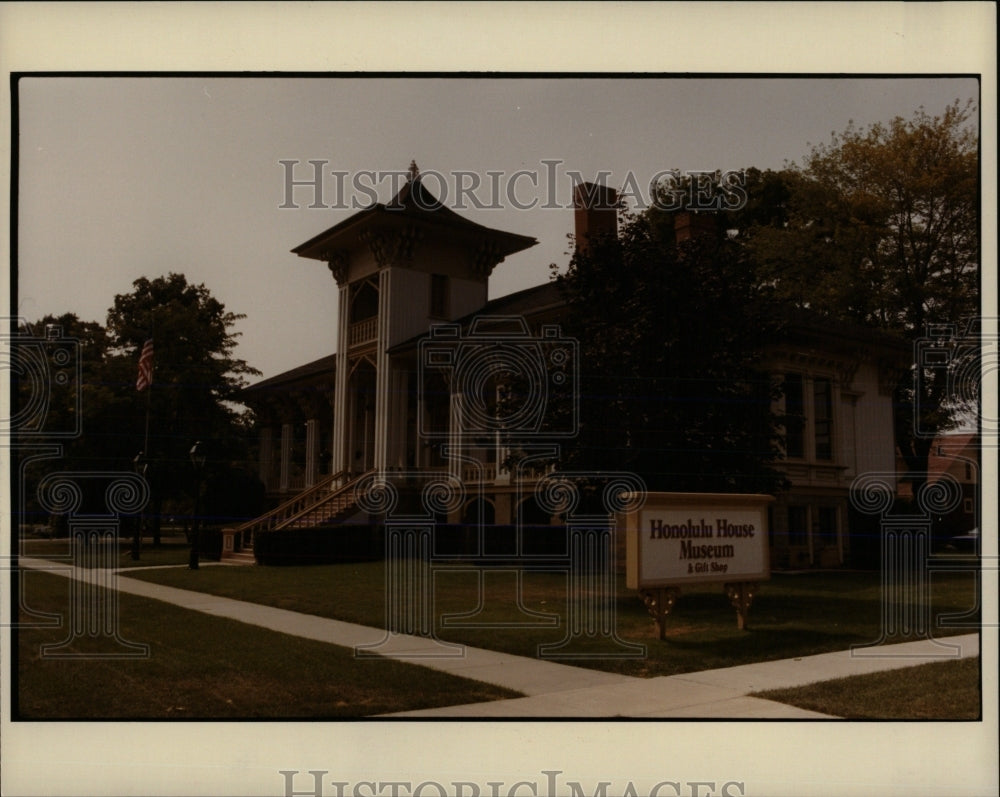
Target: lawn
<point>209,667</point>
<point>174,550</point>
<point>793,614</point>
<point>947,690</point>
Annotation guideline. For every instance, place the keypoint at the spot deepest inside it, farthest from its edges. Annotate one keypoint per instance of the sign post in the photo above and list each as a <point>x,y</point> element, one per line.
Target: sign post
<point>696,538</point>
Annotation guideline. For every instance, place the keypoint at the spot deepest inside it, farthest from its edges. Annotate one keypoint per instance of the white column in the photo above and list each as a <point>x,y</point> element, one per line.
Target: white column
<point>286,454</point>
<point>383,397</point>
<point>341,458</point>
<point>311,452</point>
<point>266,456</point>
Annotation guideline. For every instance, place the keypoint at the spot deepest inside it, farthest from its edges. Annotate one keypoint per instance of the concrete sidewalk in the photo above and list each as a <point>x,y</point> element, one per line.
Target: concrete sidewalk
<point>555,690</point>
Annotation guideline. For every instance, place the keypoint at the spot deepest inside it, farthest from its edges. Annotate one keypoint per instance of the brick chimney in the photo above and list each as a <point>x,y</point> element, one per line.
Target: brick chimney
<point>689,225</point>
<point>596,213</point>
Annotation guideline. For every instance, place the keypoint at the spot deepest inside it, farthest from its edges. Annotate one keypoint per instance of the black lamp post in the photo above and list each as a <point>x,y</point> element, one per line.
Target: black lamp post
<point>197,455</point>
<point>141,466</point>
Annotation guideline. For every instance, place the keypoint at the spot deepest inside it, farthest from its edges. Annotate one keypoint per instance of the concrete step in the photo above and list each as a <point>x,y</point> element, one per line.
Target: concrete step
<point>242,557</point>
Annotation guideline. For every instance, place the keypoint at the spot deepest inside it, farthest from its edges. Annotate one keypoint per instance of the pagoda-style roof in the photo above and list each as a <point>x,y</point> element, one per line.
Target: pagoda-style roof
<point>414,205</point>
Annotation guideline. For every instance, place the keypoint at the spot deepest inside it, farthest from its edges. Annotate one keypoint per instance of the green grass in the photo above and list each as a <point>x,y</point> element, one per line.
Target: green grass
<point>172,551</point>
<point>208,667</point>
<point>793,615</point>
<point>941,690</point>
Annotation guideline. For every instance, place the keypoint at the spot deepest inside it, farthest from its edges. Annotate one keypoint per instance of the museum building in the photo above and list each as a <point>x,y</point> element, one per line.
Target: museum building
<point>403,392</point>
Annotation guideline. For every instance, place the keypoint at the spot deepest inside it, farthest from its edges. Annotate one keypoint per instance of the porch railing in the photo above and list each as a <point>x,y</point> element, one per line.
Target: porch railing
<point>483,474</point>
<point>362,331</point>
<point>294,506</point>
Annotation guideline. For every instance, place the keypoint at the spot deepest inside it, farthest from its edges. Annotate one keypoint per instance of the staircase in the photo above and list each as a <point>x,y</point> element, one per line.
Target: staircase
<point>325,502</point>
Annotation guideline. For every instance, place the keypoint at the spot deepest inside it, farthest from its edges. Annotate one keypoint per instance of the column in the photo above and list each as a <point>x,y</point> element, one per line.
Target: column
<point>311,451</point>
<point>383,398</point>
<point>286,455</point>
<point>266,456</point>
<point>341,459</point>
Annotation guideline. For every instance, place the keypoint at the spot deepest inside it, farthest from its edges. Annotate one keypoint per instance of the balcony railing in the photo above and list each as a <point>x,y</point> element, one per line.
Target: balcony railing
<point>485,473</point>
<point>362,332</point>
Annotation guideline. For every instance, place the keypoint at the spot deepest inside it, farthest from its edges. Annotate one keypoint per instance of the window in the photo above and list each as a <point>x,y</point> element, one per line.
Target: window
<point>439,296</point>
<point>794,416</point>
<point>826,525</point>
<point>823,418</point>
<point>968,471</point>
<point>798,520</point>
<point>364,301</point>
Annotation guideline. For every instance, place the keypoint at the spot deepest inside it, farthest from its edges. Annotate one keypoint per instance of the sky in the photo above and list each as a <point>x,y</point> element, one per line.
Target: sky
<point>121,177</point>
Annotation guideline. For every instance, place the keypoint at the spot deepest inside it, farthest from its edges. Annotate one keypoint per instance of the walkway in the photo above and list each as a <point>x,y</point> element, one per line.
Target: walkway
<point>555,690</point>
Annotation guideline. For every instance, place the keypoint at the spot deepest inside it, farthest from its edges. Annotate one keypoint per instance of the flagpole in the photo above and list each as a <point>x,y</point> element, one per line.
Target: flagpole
<point>144,381</point>
<point>149,396</point>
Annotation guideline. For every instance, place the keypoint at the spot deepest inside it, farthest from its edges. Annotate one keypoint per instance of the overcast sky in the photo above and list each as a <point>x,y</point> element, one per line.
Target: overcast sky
<point>127,177</point>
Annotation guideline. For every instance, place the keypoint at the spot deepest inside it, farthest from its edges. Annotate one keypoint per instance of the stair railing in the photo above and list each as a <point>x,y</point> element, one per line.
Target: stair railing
<point>295,505</point>
<point>330,498</point>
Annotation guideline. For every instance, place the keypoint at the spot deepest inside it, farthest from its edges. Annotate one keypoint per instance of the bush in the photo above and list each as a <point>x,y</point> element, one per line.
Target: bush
<point>361,542</point>
<point>348,542</point>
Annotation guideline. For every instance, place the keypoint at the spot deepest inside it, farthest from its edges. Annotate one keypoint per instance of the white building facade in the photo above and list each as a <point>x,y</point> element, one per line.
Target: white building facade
<point>372,408</point>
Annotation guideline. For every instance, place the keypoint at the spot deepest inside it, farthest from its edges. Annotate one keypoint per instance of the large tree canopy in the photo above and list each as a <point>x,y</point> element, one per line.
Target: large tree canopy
<point>195,376</point>
<point>881,226</point>
<point>195,371</point>
<point>670,337</point>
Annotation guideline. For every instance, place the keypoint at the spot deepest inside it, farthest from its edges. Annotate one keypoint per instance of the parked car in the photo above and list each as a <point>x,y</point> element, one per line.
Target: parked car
<point>965,542</point>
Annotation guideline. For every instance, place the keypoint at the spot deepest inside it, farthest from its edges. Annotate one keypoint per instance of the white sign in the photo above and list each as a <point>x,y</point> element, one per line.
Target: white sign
<point>678,538</point>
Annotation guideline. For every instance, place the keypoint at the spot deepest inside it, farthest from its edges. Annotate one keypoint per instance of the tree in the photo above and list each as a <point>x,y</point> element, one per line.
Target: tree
<point>881,226</point>
<point>670,341</point>
<point>195,374</point>
<point>60,397</point>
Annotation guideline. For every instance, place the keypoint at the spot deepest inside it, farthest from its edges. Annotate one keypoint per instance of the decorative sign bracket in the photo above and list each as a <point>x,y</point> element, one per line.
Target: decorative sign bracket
<point>741,596</point>
<point>659,602</point>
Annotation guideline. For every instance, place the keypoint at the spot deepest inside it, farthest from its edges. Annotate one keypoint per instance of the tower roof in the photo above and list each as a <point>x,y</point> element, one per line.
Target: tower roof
<point>413,205</point>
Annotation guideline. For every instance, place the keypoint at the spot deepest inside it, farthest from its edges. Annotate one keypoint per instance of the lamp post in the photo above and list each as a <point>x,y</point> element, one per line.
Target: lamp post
<point>197,455</point>
<point>140,466</point>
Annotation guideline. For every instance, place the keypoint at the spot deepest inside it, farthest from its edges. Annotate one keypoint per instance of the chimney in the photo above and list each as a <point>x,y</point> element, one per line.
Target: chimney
<point>596,213</point>
<point>689,225</point>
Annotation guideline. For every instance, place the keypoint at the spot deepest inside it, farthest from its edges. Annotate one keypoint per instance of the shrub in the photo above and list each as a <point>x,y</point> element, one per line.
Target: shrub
<point>347,542</point>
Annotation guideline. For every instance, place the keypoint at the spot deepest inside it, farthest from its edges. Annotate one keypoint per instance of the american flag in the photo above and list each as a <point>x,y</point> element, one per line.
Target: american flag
<point>145,366</point>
